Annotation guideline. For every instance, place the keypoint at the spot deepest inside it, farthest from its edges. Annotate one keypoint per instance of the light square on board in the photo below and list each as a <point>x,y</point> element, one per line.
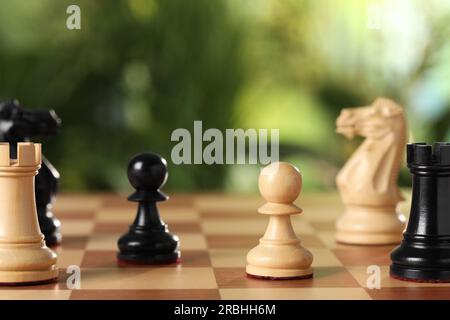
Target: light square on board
<point>147,278</point>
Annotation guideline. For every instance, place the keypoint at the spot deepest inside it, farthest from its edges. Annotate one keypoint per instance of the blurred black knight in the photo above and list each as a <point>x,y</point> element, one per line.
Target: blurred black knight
<point>18,124</point>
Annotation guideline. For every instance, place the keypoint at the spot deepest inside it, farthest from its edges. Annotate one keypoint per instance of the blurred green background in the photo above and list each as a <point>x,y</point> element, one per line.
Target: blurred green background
<point>138,69</point>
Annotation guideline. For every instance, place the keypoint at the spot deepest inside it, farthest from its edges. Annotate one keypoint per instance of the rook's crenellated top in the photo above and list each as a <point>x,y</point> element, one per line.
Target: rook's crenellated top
<point>422,154</point>
<point>28,155</point>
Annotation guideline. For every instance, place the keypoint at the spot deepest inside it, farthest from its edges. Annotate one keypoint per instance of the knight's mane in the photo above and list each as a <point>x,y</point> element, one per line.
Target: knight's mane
<point>394,108</point>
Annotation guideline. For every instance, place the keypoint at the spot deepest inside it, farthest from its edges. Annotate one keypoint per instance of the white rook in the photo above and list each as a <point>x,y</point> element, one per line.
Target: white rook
<point>24,257</point>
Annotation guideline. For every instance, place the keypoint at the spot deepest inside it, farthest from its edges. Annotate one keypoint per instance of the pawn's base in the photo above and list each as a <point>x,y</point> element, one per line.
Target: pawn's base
<point>432,275</point>
<point>124,259</point>
<point>251,276</point>
<point>278,274</point>
<point>144,246</point>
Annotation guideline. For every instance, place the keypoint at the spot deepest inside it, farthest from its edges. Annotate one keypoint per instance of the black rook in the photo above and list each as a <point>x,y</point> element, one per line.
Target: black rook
<point>424,253</point>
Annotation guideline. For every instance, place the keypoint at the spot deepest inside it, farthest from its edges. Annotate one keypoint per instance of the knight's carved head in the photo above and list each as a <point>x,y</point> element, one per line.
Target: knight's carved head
<point>19,122</point>
<point>374,121</point>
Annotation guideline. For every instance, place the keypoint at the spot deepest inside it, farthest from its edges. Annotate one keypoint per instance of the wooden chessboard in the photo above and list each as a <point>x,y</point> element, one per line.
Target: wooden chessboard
<point>216,232</point>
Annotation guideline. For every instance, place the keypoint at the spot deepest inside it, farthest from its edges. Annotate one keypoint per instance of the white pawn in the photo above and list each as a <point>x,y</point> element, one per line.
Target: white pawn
<point>279,254</point>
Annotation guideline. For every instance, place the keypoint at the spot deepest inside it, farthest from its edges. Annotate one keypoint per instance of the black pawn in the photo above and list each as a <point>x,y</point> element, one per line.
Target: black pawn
<point>148,240</point>
<point>424,253</point>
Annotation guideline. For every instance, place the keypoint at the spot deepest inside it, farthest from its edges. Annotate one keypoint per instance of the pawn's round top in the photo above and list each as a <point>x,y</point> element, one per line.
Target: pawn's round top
<point>280,182</point>
<point>147,171</point>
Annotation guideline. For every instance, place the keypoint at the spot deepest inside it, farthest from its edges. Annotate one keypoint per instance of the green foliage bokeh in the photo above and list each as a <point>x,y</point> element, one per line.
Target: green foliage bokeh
<point>139,69</point>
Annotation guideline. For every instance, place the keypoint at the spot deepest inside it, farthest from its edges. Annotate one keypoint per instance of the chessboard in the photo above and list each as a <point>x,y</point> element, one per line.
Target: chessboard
<point>216,231</point>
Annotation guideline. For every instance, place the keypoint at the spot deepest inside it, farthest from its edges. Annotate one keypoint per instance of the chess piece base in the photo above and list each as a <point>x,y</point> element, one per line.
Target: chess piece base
<point>152,259</point>
<point>28,277</point>
<point>33,283</point>
<point>370,225</point>
<point>407,273</point>
<point>27,263</point>
<point>278,274</point>
<point>142,246</point>
<point>279,259</point>
<point>422,258</point>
